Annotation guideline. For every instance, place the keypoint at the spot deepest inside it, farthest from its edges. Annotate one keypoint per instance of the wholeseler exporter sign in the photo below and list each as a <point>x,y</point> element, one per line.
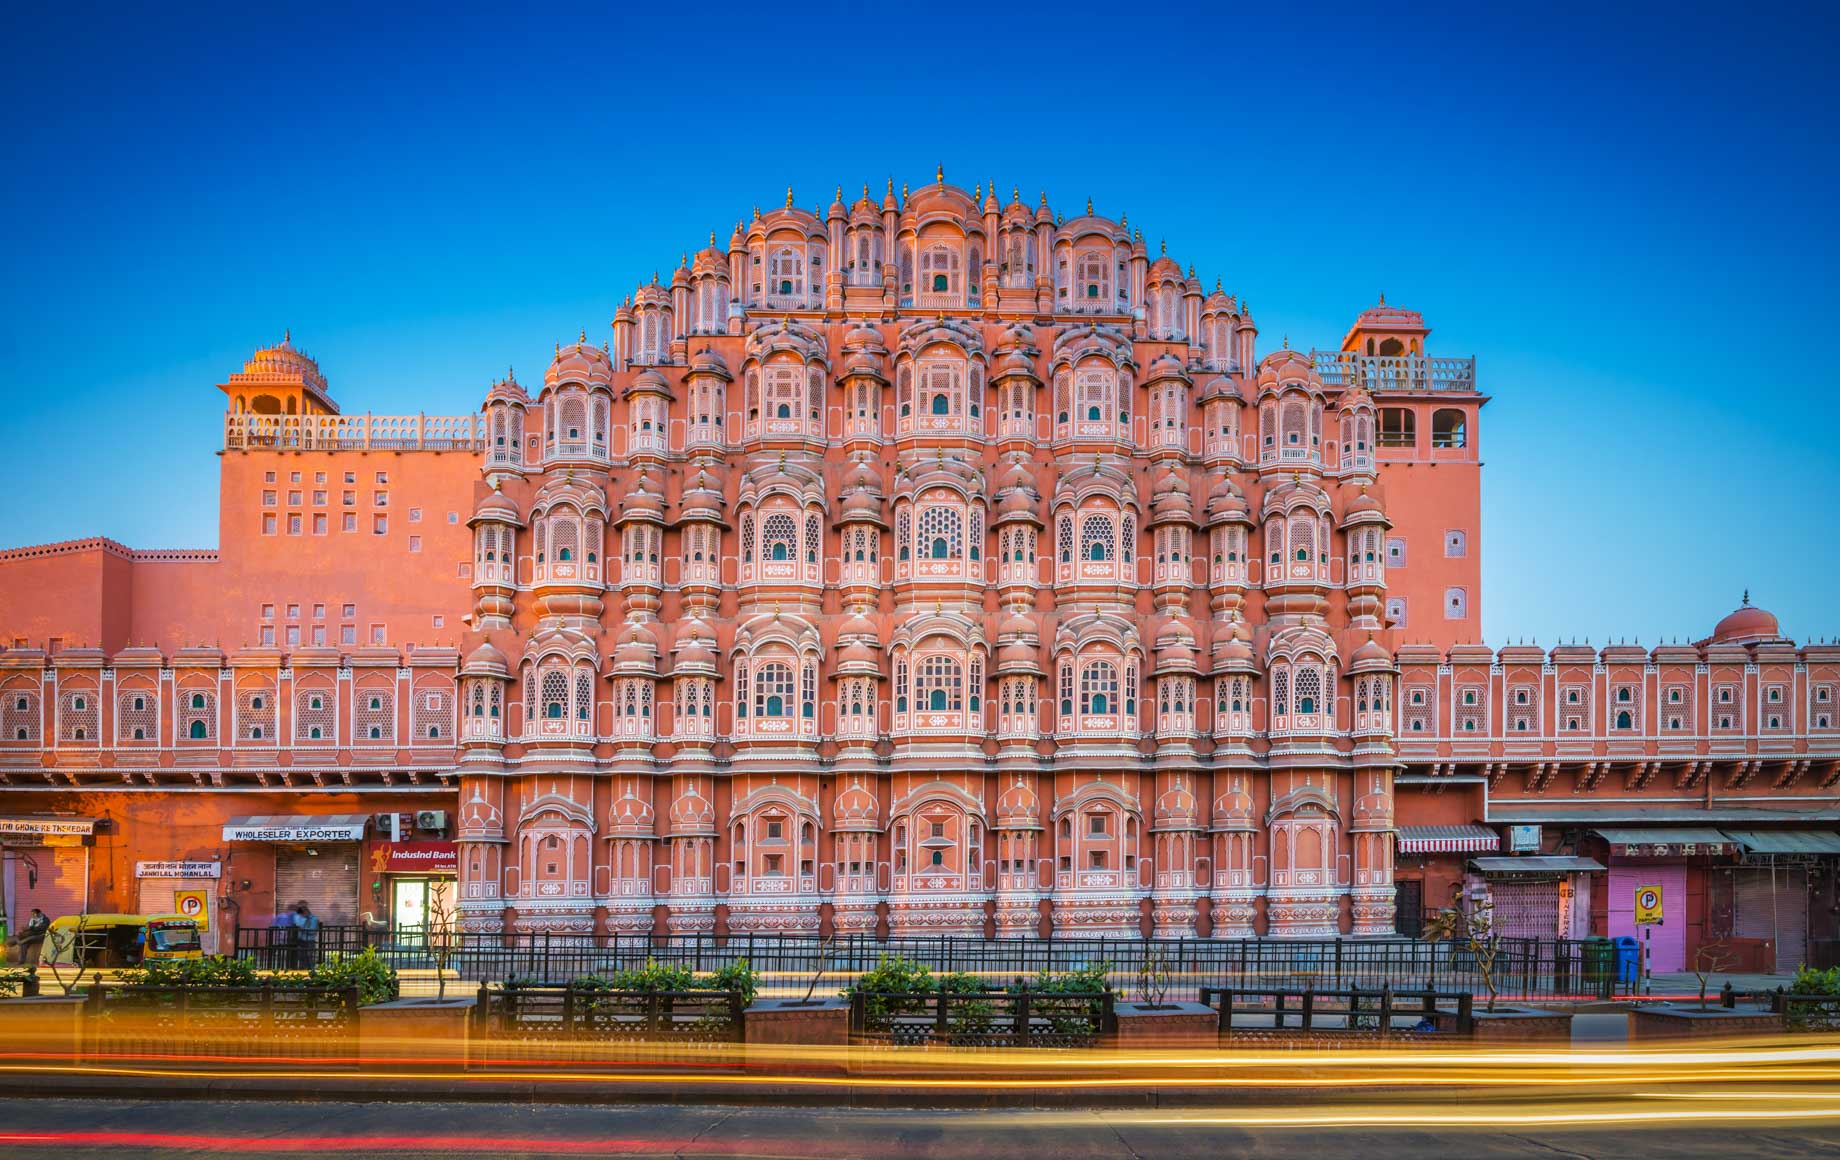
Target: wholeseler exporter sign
<point>294,833</point>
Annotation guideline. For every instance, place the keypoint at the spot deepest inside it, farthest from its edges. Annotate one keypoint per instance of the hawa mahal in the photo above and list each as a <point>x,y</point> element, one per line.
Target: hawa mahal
<point>936,563</point>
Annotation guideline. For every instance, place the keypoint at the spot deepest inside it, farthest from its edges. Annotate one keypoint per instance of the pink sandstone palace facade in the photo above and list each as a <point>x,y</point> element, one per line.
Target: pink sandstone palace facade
<point>929,564</point>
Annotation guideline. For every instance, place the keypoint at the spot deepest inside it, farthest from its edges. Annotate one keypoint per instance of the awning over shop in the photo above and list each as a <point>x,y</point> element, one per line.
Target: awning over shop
<point>1447,839</point>
<point>46,824</point>
<point>297,828</point>
<point>1536,864</point>
<point>1787,841</point>
<point>1665,843</point>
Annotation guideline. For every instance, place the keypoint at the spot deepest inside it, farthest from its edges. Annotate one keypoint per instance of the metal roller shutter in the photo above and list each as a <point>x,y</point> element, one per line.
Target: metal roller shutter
<point>328,881</point>
<point>1526,908</point>
<point>157,898</point>
<point>1772,903</point>
<point>52,878</point>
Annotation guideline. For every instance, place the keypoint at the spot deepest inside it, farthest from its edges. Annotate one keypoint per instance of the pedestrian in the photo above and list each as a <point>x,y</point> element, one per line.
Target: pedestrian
<point>306,936</point>
<point>32,938</point>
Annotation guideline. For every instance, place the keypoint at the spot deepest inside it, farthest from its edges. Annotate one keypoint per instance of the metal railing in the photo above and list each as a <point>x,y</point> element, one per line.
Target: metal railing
<point>1381,1013</point>
<point>787,965</point>
<point>1012,1018</point>
<point>273,1019</point>
<point>539,1013</point>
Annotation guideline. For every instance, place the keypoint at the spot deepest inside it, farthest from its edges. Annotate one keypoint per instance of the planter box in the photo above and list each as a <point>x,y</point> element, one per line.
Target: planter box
<point>411,1031</point>
<point>46,1023</point>
<point>1520,1025</point>
<point>820,1022</point>
<point>1650,1023</point>
<point>1167,1025</point>
<point>798,1037</point>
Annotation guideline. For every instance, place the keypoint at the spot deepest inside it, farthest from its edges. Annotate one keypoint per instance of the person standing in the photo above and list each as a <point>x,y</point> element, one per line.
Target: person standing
<point>306,936</point>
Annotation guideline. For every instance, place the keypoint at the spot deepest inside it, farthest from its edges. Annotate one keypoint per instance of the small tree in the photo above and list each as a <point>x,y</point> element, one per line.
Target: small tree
<point>443,940</point>
<point>1153,977</point>
<point>68,939</point>
<point>1711,959</point>
<point>1472,929</point>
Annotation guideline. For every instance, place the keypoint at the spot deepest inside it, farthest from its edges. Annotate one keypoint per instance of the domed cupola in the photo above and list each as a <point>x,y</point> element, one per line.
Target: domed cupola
<point>702,499</point>
<point>630,816</point>
<point>579,362</point>
<point>693,652</point>
<point>280,379</point>
<point>1226,503</point>
<point>856,809</point>
<point>858,647</point>
<point>692,813</point>
<point>1747,624</point>
<point>1019,806</point>
<point>1175,808</point>
<point>1170,501</point>
<point>1232,650</point>
<point>1019,644</point>
<point>1018,499</point>
<point>635,652</point>
<point>1175,648</point>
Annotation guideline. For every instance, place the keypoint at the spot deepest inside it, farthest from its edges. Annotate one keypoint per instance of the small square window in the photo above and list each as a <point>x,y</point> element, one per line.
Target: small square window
<point>383,477</point>
<point>351,477</point>
<point>268,477</point>
<point>319,499</point>
<point>293,477</point>
<point>349,523</point>
<point>380,525</point>
<point>453,517</point>
<point>319,477</point>
<point>348,634</point>
<point>376,634</point>
<point>268,612</point>
<point>349,610</point>
<point>319,612</point>
<point>268,525</point>
<point>348,498</point>
<point>415,515</point>
<point>293,499</point>
<point>268,499</point>
<point>294,524</point>
<point>319,523</point>
<point>293,611</point>
<point>440,622</point>
<point>415,543</point>
<point>380,499</point>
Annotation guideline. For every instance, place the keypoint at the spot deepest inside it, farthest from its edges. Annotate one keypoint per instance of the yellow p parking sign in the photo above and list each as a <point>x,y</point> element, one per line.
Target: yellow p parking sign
<point>1648,906</point>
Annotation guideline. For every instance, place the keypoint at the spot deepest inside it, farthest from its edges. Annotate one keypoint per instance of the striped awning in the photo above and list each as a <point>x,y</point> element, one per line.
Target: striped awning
<point>1447,839</point>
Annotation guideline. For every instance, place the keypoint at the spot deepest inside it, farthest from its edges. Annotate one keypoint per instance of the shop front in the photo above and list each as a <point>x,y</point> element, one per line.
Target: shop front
<point>1538,896</point>
<point>44,864</point>
<point>1429,864</point>
<point>188,888</point>
<point>1780,896</point>
<point>317,860</point>
<point>1670,865</point>
<point>412,882</point>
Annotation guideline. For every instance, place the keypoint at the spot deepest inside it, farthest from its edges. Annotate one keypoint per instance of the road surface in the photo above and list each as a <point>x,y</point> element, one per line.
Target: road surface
<point>31,1129</point>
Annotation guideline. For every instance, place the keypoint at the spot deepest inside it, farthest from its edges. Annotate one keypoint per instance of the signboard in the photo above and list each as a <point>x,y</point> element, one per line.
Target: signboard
<point>414,858</point>
<point>195,905</point>
<point>305,832</point>
<point>1670,849</point>
<point>178,869</point>
<point>1523,839</point>
<point>77,826</point>
<point>1648,906</point>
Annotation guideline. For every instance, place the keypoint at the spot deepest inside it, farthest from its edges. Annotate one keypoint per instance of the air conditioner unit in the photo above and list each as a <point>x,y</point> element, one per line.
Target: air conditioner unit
<point>382,823</point>
<point>431,820</point>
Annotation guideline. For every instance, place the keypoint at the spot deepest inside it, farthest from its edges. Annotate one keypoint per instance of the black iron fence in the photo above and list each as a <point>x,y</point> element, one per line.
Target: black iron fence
<point>558,1014</point>
<point>1381,1013</point>
<point>1016,1018</point>
<point>273,1020</point>
<point>789,965</point>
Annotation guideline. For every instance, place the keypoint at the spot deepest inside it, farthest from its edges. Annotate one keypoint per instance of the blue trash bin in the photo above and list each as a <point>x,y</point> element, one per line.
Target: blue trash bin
<point>1628,960</point>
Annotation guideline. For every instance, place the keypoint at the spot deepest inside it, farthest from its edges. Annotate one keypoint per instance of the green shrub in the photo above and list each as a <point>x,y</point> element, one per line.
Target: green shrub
<point>374,978</point>
<point>1809,981</point>
<point>736,976</point>
<point>893,975</point>
<point>13,983</point>
<point>213,971</point>
<point>1068,1000</point>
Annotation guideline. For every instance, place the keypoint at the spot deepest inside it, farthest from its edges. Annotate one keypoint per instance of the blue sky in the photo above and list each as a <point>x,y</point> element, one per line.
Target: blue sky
<point>1625,213</point>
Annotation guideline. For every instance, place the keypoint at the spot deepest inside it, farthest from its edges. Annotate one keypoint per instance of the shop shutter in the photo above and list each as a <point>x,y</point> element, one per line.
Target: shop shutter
<point>328,881</point>
<point>1526,908</point>
<point>157,898</point>
<point>1772,903</point>
<point>61,886</point>
<point>1664,944</point>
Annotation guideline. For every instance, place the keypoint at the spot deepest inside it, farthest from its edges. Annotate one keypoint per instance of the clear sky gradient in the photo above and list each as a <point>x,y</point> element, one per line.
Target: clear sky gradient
<point>1626,213</point>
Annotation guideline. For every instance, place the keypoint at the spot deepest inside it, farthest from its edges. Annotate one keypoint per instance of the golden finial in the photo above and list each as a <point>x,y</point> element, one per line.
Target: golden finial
<point>1089,207</point>
<point>1124,221</point>
<point>891,185</point>
<point>1217,285</point>
<point>1044,199</point>
<point>788,197</point>
<point>712,237</point>
<point>903,192</point>
<point>584,335</point>
<point>1162,245</point>
<point>1383,298</point>
<point>1191,269</point>
<point>756,213</point>
<point>558,350</point>
<point>865,191</point>
<point>939,174</point>
<point>1287,342</point>
<point>839,196</point>
<point>683,257</point>
<point>287,335</point>
<point>654,277</point>
<point>1015,193</point>
<point>977,193</point>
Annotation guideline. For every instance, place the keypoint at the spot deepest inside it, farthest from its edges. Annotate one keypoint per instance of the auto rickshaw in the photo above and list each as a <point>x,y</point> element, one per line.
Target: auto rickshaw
<point>104,941</point>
